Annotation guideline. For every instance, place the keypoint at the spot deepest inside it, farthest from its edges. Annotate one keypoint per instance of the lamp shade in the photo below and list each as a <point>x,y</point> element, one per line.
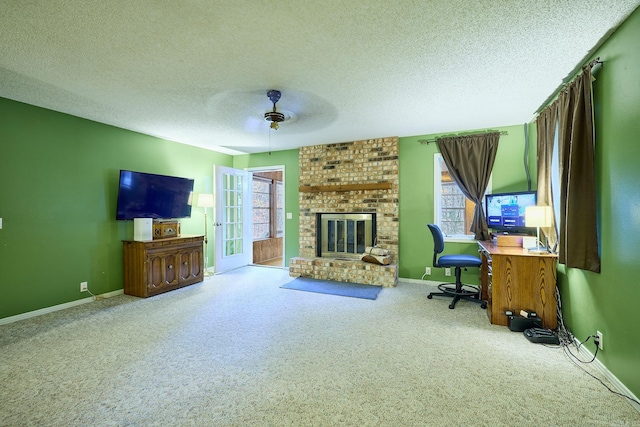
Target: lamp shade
<point>537,216</point>
<point>205,200</point>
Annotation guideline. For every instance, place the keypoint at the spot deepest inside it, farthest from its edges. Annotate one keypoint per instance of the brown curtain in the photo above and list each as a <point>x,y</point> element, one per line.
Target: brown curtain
<point>470,161</point>
<point>546,123</point>
<point>578,222</point>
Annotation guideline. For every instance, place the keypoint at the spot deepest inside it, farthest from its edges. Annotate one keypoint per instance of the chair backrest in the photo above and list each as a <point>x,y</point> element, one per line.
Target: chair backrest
<point>438,241</point>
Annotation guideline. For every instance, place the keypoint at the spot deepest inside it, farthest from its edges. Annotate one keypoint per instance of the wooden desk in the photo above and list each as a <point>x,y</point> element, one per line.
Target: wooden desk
<point>514,279</point>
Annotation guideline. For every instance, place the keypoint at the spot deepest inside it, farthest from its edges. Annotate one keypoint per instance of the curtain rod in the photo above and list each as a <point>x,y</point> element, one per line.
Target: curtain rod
<point>565,82</point>
<point>429,141</point>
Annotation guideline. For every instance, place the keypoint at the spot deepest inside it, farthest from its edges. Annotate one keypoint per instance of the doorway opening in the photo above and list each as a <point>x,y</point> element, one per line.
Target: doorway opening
<point>268,216</point>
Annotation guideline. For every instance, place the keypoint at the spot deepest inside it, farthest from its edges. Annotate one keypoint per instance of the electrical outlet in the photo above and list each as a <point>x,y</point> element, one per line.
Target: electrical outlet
<point>600,342</point>
<point>84,286</point>
<point>427,271</point>
<point>447,272</point>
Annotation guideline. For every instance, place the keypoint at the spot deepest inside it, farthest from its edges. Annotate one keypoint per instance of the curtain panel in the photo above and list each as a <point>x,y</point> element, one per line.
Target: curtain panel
<point>470,161</point>
<point>546,124</point>
<point>578,223</point>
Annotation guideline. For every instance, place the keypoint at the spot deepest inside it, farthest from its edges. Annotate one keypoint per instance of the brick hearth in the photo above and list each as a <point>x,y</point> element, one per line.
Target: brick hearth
<point>349,167</point>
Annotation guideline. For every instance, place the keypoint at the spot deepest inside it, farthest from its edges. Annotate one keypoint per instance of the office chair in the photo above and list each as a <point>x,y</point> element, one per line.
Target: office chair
<point>458,291</point>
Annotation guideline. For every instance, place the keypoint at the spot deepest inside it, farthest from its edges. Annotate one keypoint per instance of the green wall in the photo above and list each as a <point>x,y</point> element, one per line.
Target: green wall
<point>288,159</point>
<point>59,176</point>
<point>609,301</point>
<point>416,197</point>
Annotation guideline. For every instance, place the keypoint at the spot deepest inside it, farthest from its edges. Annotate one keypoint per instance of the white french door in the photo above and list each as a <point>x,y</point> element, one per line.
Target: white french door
<point>232,218</point>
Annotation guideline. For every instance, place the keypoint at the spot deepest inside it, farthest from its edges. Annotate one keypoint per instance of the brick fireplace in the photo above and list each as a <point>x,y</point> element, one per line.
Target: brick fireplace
<point>359,177</point>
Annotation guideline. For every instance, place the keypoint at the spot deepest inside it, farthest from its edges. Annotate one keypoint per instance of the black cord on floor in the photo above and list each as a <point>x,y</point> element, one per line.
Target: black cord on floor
<point>567,338</point>
<point>598,379</point>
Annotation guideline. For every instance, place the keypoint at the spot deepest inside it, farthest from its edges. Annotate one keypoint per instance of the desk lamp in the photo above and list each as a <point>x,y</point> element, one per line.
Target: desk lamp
<point>205,201</point>
<point>537,216</point>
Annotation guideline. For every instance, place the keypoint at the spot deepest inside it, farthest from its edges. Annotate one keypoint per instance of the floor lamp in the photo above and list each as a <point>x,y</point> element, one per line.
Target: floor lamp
<point>537,216</point>
<point>205,201</point>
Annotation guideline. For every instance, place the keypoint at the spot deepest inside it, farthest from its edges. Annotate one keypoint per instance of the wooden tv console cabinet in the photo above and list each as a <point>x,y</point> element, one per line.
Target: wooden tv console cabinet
<point>514,279</point>
<point>155,266</point>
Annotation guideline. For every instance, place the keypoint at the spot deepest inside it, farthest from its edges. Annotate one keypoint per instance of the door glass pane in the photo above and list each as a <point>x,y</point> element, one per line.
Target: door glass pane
<point>361,238</point>
<point>350,236</point>
<point>331,236</point>
<point>233,215</point>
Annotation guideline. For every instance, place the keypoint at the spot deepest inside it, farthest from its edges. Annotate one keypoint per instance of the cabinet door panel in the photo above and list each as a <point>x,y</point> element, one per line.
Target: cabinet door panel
<point>196,267</point>
<point>170,269</point>
<point>156,270</point>
<point>162,270</point>
<point>185,266</point>
<point>190,264</point>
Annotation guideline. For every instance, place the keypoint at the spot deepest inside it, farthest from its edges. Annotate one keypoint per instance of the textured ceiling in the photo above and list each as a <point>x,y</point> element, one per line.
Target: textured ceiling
<point>197,71</point>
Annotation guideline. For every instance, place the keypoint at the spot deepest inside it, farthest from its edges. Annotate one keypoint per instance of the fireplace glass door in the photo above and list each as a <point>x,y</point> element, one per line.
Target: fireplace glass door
<point>345,235</point>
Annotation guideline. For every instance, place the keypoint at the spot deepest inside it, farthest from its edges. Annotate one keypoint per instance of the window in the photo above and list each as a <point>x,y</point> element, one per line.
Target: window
<point>453,212</point>
<point>268,208</point>
<point>262,208</point>
<point>279,208</point>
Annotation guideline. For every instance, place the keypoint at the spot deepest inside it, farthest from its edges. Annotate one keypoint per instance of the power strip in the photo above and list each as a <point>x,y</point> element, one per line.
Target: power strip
<point>541,336</point>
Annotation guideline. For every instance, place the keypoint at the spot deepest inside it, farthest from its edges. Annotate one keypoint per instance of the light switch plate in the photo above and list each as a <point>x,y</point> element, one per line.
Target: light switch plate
<point>0,223</point>
<point>289,215</point>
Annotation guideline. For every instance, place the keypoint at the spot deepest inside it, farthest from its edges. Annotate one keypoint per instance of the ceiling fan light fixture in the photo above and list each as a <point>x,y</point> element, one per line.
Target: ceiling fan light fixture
<point>274,116</point>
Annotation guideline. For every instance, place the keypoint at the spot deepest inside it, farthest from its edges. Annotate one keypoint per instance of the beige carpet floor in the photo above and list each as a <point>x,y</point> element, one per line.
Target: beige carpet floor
<point>236,350</point>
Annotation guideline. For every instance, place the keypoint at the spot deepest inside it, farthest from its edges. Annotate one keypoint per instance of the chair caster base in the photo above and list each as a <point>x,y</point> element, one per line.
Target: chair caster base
<point>462,292</point>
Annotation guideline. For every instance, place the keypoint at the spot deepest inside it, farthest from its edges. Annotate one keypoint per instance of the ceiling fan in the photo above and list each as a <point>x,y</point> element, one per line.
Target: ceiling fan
<point>274,116</point>
<point>245,110</point>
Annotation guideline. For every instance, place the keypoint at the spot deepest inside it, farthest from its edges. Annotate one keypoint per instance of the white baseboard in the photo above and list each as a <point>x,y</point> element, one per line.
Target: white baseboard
<point>419,281</point>
<point>617,384</point>
<point>58,307</point>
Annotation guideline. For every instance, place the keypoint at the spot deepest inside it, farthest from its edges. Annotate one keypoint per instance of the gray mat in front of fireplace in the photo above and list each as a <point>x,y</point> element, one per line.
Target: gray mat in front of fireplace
<point>345,289</point>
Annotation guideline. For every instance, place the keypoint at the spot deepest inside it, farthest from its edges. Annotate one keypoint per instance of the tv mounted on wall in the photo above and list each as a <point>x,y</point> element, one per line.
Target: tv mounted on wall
<point>505,211</point>
<point>146,195</point>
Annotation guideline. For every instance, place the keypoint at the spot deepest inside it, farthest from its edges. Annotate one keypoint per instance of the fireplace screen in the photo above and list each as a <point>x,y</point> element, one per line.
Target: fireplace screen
<point>345,235</point>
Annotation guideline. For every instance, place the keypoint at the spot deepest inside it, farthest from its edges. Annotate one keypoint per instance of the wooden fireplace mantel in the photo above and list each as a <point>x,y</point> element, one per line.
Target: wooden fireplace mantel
<point>344,187</point>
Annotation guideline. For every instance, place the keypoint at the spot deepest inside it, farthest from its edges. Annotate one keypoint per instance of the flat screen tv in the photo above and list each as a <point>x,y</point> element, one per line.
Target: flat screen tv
<point>146,195</point>
<point>505,211</point>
